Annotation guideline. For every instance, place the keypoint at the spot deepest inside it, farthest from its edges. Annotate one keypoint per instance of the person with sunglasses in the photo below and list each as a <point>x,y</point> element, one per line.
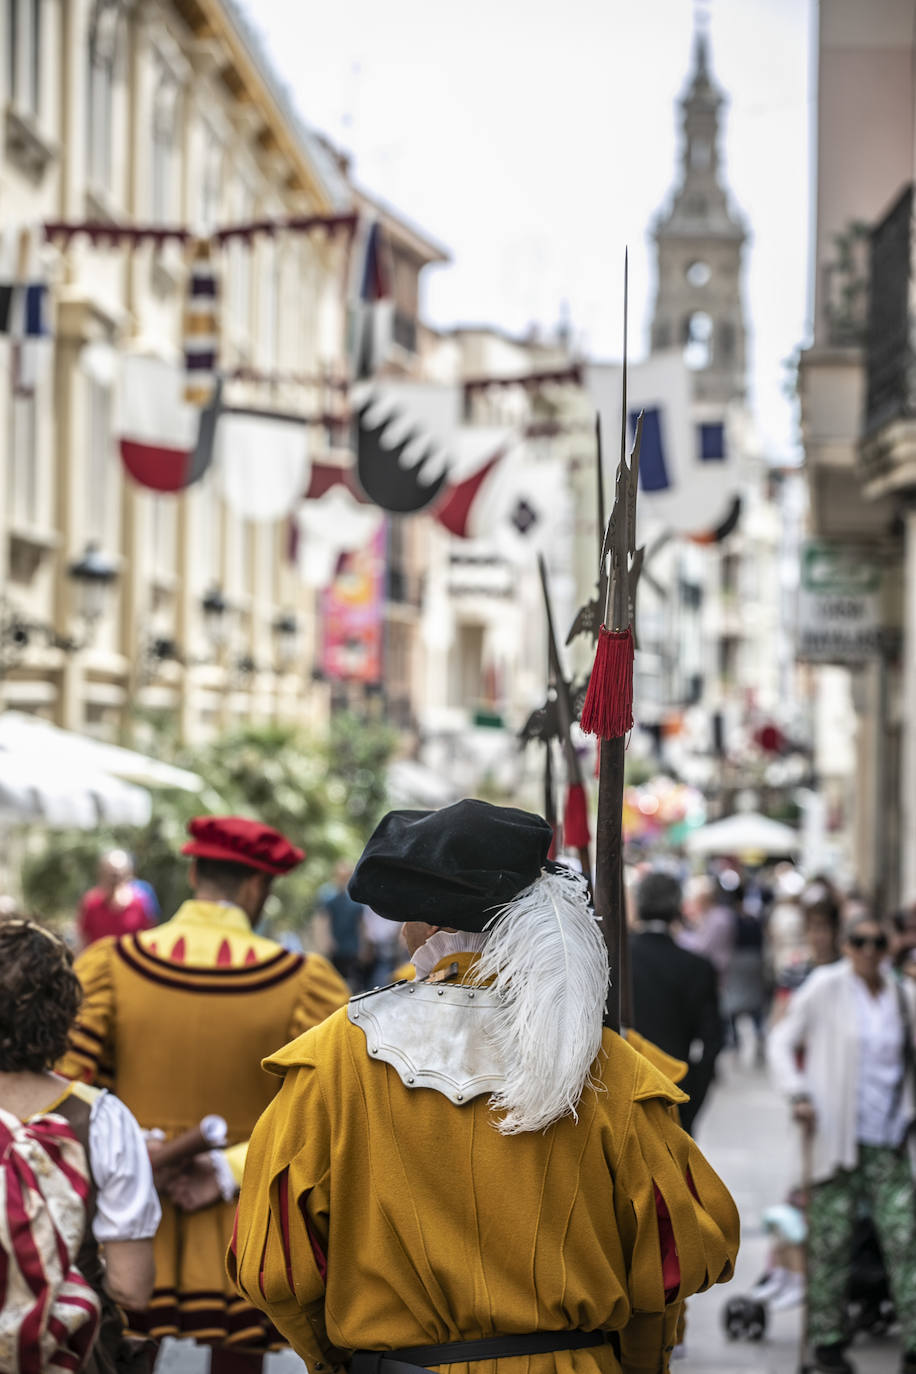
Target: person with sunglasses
<point>843,1054</point>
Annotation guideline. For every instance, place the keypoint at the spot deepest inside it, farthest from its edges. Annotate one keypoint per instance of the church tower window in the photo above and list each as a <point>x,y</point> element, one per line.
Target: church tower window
<point>700,154</point>
<point>698,332</point>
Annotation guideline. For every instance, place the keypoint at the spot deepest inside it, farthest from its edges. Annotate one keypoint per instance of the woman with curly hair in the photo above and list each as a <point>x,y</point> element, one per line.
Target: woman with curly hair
<point>51,1130</point>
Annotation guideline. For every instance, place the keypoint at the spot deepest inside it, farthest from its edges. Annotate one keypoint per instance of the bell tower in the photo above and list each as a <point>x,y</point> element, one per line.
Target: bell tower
<point>699,243</point>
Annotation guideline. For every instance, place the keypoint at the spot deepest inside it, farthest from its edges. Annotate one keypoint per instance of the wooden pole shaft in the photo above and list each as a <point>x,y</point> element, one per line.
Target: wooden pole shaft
<point>550,810</point>
<point>624,976</point>
<point>609,887</point>
<point>602,527</point>
<point>609,867</point>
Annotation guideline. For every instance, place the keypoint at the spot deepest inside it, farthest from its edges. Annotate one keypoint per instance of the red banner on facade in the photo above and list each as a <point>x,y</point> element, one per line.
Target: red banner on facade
<point>352,615</point>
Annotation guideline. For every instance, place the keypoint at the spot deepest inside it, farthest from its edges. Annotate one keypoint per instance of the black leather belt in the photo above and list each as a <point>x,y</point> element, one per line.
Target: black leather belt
<point>407,1361</point>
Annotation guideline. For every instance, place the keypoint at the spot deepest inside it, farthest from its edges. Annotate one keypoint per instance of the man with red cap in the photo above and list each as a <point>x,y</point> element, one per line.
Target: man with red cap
<point>176,1021</point>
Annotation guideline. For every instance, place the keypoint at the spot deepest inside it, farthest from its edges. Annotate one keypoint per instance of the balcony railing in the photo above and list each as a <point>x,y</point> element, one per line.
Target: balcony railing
<point>890,363</point>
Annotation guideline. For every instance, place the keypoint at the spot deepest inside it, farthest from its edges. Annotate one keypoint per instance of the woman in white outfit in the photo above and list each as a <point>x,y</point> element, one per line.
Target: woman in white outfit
<point>844,1053</point>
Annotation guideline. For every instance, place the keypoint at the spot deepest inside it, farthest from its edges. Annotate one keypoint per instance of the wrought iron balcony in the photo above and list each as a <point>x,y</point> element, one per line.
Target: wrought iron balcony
<point>890,358</point>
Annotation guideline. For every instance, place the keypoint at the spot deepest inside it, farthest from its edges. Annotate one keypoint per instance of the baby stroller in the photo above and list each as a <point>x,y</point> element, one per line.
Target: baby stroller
<point>782,1285</point>
<point>869,1307</point>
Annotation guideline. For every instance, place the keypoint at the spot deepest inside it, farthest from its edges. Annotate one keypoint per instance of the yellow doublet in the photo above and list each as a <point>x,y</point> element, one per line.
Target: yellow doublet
<point>176,1021</point>
<point>437,1228</point>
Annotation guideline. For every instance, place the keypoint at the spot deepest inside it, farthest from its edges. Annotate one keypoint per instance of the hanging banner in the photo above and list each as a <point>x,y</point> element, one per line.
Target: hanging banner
<point>412,440</point>
<point>688,477</point>
<point>352,615</point>
<point>201,327</point>
<point>333,524</point>
<point>165,443</point>
<point>104,234</point>
<point>262,463</point>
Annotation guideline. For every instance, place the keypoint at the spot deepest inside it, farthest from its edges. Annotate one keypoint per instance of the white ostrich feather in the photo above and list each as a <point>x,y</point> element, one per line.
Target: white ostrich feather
<point>548,962</point>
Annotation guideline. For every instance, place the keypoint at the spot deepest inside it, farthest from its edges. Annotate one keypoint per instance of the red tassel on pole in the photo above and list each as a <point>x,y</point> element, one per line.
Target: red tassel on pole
<point>575,818</point>
<point>608,708</point>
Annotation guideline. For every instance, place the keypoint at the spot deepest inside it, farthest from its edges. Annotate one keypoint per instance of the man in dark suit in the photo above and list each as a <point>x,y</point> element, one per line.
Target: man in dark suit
<point>675,992</point>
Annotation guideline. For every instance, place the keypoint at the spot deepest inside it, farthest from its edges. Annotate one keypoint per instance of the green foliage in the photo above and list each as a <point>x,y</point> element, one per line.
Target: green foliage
<point>359,753</point>
<point>325,795</point>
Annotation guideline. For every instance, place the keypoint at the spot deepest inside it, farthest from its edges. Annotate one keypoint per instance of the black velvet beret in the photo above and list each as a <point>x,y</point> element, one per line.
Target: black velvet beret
<point>453,867</point>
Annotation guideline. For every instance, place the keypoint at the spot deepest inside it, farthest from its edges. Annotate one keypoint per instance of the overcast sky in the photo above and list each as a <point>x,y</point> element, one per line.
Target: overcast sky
<point>534,141</point>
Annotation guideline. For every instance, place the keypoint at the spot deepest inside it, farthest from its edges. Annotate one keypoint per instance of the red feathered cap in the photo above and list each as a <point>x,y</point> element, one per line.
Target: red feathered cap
<point>238,841</point>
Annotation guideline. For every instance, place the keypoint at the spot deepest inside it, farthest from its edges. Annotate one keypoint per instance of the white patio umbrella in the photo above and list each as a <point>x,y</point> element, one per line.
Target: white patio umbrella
<point>413,784</point>
<point>744,833</point>
<point>59,794</point>
<point>31,738</point>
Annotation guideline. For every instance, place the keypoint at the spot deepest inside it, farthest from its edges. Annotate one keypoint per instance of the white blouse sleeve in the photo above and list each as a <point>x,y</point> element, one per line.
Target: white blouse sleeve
<point>127,1205</point>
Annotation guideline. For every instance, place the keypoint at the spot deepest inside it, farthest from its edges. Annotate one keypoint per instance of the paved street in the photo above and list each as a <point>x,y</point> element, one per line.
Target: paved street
<point>746,1134</point>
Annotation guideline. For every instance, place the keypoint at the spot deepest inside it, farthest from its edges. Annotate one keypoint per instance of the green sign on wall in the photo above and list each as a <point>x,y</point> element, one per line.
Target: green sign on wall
<point>839,603</point>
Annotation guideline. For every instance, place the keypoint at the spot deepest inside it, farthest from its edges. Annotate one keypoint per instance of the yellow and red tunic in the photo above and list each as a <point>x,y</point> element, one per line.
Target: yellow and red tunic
<point>378,1216</point>
<point>176,1020</point>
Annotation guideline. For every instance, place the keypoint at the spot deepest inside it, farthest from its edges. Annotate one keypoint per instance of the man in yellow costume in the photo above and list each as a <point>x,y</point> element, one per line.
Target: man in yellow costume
<point>469,1167</point>
<point>176,1020</point>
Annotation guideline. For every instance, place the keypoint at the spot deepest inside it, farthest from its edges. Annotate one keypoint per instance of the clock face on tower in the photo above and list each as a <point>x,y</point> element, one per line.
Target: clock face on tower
<point>698,273</point>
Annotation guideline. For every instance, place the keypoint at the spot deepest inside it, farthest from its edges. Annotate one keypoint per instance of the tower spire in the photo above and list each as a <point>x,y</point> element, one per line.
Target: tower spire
<point>700,42</point>
<point>700,240</point>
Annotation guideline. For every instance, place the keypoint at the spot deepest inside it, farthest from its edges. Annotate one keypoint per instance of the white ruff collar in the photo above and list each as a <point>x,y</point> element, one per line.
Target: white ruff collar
<point>446,942</point>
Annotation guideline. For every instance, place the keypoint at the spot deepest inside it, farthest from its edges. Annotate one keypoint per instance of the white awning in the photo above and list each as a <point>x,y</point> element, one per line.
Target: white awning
<point>413,784</point>
<point>744,833</point>
<point>61,779</point>
<point>57,794</point>
<point>31,738</point>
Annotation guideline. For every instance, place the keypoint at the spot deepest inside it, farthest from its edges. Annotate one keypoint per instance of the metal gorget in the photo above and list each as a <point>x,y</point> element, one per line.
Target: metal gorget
<point>433,1035</point>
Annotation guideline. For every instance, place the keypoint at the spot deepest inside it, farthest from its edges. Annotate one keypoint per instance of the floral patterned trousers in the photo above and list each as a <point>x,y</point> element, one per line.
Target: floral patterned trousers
<point>883,1183</point>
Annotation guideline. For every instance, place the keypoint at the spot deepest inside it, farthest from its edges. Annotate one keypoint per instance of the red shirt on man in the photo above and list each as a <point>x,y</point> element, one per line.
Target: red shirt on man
<point>100,916</point>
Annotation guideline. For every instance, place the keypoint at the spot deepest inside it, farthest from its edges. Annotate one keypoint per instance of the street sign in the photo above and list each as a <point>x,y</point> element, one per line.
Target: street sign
<point>839,603</point>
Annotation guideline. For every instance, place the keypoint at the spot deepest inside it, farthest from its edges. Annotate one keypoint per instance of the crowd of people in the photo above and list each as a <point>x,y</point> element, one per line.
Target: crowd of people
<point>157,1182</point>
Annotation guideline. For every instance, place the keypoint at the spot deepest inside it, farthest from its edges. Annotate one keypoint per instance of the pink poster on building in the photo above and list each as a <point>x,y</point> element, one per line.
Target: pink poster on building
<point>352,615</point>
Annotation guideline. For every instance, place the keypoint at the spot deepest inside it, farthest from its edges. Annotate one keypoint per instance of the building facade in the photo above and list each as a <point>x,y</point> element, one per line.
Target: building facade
<point>160,115</point>
<point>855,415</point>
<point>155,117</point>
<point>165,115</point>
